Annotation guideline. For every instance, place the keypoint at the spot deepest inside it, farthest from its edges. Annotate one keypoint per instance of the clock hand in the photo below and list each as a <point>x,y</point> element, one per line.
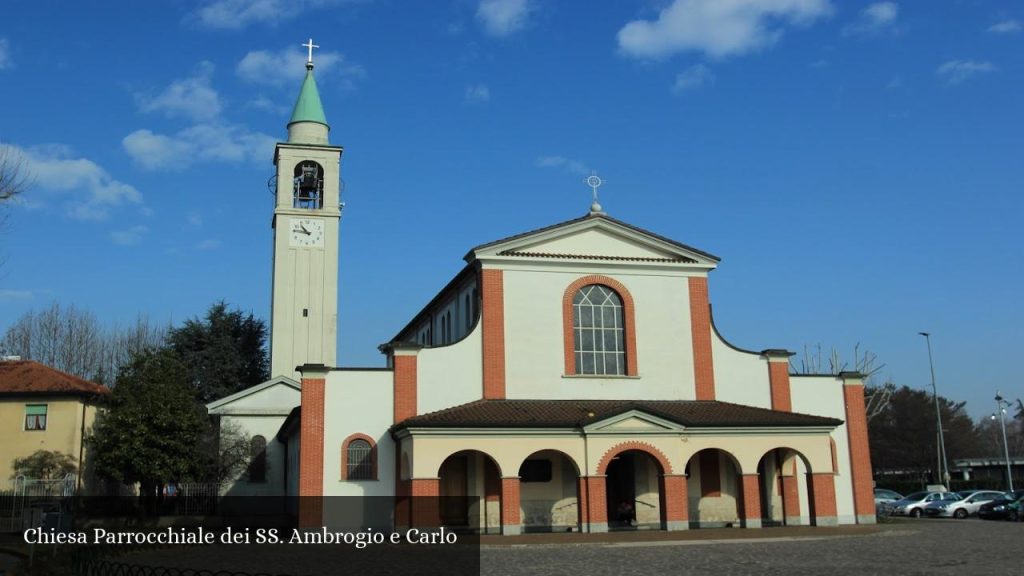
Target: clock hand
<point>303,226</point>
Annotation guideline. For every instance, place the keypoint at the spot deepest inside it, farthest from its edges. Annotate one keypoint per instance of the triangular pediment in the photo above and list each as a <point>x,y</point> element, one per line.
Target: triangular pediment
<point>633,422</point>
<point>595,238</point>
<point>276,396</point>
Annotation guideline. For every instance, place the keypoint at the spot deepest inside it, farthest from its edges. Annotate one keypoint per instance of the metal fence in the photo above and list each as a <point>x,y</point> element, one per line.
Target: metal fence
<point>22,497</point>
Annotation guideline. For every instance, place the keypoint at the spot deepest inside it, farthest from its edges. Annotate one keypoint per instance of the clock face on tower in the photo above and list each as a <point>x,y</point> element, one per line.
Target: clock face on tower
<point>306,232</point>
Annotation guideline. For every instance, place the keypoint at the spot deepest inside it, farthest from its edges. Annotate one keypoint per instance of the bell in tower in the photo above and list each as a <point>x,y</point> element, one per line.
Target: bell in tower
<point>308,186</point>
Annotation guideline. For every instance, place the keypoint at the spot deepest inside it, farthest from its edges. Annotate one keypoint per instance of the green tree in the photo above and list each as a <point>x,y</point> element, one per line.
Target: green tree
<point>152,431</point>
<point>225,351</point>
<point>45,465</point>
<point>904,436</point>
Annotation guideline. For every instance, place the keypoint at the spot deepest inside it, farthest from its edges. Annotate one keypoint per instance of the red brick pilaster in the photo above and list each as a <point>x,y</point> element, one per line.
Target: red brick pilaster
<point>674,501</point>
<point>791,497</point>
<point>405,377</point>
<point>311,451</point>
<point>860,452</point>
<point>594,500</point>
<point>778,379</point>
<point>510,516</point>
<point>426,509</point>
<point>751,501</point>
<point>824,488</point>
<point>700,328</point>
<point>493,318</point>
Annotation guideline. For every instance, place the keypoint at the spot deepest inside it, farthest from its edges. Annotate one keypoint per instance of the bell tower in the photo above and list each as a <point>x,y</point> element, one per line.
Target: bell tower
<point>307,211</point>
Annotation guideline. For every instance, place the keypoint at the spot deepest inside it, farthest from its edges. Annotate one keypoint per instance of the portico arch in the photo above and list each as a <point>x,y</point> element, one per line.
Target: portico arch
<point>470,489</point>
<point>549,492</point>
<point>784,487</point>
<point>715,488</point>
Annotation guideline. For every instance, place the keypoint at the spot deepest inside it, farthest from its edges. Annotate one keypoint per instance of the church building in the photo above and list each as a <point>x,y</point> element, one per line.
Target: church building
<point>569,378</point>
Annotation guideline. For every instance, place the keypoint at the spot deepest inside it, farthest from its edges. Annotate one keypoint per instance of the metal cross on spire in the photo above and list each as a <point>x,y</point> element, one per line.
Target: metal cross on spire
<point>595,182</point>
<point>310,45</point>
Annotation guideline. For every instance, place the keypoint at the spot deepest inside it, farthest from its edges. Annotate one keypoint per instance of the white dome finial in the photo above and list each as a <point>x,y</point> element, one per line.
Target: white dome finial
<point>595,182</point>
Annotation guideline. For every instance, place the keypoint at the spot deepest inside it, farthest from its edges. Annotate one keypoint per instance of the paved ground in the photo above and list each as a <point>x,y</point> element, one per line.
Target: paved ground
<point>924,547</point>
<point>901,547</point>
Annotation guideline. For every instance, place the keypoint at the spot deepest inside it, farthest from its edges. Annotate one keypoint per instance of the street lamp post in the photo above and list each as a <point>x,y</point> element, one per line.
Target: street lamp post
<point>1001,406</point>
<point>944,463</point>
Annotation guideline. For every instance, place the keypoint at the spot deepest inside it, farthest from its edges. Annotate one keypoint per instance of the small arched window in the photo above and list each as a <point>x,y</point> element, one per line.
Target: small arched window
<point>258,459</point>
<point>359,459</point>
<point>598,331</point>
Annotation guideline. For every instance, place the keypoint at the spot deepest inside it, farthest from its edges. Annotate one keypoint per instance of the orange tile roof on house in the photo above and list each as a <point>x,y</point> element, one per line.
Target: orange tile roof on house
<point>27,377</point>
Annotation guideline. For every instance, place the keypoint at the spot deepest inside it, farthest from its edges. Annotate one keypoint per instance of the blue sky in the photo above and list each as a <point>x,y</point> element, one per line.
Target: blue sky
<point>857,165</point>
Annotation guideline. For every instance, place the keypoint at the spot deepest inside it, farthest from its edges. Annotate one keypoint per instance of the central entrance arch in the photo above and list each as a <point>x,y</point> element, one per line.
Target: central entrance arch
<point>634,488</point>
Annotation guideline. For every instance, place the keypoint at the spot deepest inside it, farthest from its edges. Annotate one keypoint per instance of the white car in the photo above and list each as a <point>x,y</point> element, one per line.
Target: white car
<point>962,507</point>
<point>914,504</point>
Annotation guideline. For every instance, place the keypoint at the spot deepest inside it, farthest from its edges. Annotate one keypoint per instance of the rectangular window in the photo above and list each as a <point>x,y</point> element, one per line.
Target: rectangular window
<point>535,471</point>
<point>35,417</point>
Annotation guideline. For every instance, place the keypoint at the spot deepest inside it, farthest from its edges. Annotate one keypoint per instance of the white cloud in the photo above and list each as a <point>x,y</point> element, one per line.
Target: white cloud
<point>895,83</point>
<point>478,94</point>
<point>129,236</point>
<point>503,17</point>
<point>570,165</point>
<point>1004,27</point>
<point>209,142</point>
<point>191,98</point>
<point>876,18</point>
<point>195,219</point>
<point>692,78</point>
<point>266,105</point>
<point>55,169</point>
<point>718,28</point>
<point>957,71</point>
<point>5,54</point>
<point>209,244</point>
<point>235,14</point>
<point>288,67</point>
<point>10,295</point>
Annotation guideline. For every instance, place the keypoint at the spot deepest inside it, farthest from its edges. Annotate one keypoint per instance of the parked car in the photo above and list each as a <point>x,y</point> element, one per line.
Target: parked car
<point>884,495</point>
<point>965,504</point>
<point>1000,508</point>
<point>914,504</point>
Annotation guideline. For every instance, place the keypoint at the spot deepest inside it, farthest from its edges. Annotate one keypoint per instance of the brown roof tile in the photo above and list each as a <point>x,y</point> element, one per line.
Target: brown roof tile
<point>26,377</point>
<point>579,413</point>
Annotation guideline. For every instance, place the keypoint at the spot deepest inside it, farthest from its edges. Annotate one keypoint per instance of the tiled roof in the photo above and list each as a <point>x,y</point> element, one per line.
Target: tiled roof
<point>593,257</point>
<point>26,377</point>
<point>579,413</point>
<point>597,215</point>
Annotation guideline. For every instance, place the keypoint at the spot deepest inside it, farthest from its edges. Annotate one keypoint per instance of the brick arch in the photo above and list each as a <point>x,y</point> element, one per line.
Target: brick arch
<point>650,450</point>
<point>628,318</point>
<point>373,456</point>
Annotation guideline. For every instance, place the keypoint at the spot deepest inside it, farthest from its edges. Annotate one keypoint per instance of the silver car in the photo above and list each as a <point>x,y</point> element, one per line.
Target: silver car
<point>914,504</point>
<point>963,506</point>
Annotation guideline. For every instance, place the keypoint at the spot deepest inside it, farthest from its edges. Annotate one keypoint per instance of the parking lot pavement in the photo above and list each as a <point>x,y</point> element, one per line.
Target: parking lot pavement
<point>919,547</point>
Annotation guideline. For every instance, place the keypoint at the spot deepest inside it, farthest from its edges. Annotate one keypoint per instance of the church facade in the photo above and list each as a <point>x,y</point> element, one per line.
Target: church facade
<point>569,378</point>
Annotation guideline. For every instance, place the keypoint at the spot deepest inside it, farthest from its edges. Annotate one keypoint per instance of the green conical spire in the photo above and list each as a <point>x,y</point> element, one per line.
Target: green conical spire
<point>308,107</point>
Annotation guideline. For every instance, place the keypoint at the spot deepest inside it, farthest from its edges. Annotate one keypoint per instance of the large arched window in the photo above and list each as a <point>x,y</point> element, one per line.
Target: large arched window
<point>359,458</point>
<point>598,331</point>
<point>598,323</point>
<point>258,459</point>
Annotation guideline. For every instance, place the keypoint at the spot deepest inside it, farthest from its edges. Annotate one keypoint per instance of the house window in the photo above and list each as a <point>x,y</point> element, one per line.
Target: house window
<point>598,331</point>
<point>359,459</point>
<point>258,459</point>
<point>35,417</point>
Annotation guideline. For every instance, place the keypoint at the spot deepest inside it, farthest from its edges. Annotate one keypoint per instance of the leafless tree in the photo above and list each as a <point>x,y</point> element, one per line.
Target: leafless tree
<point>70,339</point>
<point>14,177</point>
<point>876,396</point>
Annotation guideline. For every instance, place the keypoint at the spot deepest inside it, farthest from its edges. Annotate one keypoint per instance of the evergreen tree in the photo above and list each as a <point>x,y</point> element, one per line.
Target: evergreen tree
<point>152,431</point>
<point>224,352</point>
